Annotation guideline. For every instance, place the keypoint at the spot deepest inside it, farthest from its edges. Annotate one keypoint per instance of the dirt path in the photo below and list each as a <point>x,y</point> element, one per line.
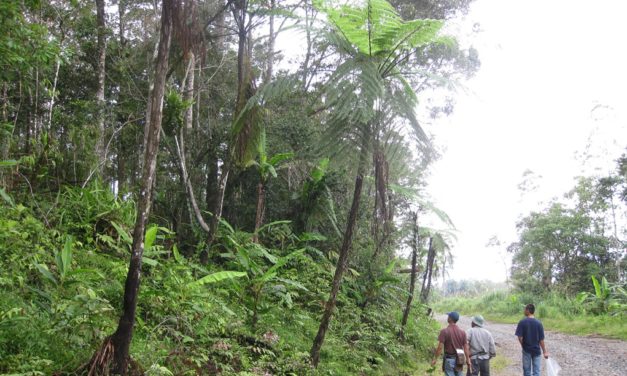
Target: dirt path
<point>578,356</point>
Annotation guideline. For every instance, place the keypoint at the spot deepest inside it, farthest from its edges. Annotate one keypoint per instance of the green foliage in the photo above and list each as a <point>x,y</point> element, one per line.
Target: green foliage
<point>64,249</point>
<point>174,112</point>
<point>376,28</point>
<point>556,311</point>
<point>606,299</point>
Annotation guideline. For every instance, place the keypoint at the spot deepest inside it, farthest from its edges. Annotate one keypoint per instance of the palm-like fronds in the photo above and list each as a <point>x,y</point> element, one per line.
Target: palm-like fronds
<point>246,130</point>
<point>377,41</point>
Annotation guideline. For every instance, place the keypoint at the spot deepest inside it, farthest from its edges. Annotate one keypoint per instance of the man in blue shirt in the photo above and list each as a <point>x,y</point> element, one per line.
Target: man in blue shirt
<point>530,334</point>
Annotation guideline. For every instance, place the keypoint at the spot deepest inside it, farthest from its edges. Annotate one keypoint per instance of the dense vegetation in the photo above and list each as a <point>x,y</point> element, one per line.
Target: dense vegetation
<point>252,195</point>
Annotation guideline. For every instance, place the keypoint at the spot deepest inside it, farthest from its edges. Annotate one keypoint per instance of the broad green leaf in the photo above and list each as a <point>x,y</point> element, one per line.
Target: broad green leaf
<point>390,267</point>
<point>123,233</point>
<point>43,269</point>
<point>275,223</point>
<point>86,271</point>
<point>66,255</point>
<point>151,236</point>
<point>176,254</point>
<point>271,273</point>
<point>5,196</point>
<point>597,287</point>
<point>293,283</point>
<point>278,158</point>
<point>227,226</point>
<point>149,261</point>
<point>8,163</point>
<point>268,255</point>
<point>217,277</point>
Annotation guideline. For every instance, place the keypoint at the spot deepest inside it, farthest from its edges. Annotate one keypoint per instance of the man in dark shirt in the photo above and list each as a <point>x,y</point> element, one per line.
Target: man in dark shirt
<point>451,339</point>
<point>530,333</point>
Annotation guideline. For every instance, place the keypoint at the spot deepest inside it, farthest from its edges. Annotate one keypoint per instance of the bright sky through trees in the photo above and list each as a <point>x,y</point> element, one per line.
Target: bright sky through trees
<point>551,88</point>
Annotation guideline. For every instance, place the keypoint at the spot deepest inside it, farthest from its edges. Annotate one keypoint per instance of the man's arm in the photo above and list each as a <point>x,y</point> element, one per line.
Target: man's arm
<point>467,352</point>
<point>437,353</point>
<point>546,353</point>
<point>520,339</point>
<point>492,347</point>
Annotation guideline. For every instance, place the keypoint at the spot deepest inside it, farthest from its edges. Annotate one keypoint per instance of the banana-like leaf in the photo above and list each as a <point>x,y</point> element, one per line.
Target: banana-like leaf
<point>122,232</point>
<point>268,225</point>
<point>149,261</point>
<point>5,196</point>
<point>280,157</point>
<point>8,163</point>
<point>66,255</point>
<point>597,287</point>
<point>177,255</point>
<point>271,273</point>
<point>151,236</point>
<point>217,277</point>
<point>43,269</point>
<point>293,283</point>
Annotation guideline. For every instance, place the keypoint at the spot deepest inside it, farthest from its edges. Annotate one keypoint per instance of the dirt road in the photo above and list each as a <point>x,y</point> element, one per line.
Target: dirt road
<point>578,356</point>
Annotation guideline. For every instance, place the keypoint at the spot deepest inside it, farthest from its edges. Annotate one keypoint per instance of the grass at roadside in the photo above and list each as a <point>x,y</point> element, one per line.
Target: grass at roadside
<point>498,364</point>
<point>556,313</point>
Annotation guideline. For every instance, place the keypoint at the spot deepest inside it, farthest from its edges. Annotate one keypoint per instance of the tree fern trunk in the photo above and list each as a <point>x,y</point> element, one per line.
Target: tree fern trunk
<point>261,206</point>
<point>426,282</point>
<point>412,281</point>
<point>121,339</point>
<point>342,261</point>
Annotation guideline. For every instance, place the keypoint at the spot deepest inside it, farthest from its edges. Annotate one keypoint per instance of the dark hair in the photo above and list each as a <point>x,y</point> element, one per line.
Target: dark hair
<point>531,308</point>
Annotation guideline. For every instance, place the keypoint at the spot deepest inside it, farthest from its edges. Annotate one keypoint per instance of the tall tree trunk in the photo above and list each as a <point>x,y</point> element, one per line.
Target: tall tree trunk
<point>308,21</point>
<point>426,280</point>
<point>151,87</point>
<point>188,94</point>
<point>261,207</point>
<point>412,281</point>
<point>342,260</point>
<point>245,90</point>
<point>100,92</point>
<point>271,41</point>
<point>191,197</point>
<point>121,339</point>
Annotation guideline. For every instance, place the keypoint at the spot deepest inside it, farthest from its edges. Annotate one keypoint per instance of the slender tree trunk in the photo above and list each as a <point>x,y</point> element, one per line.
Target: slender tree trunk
<point>188,94</point>
<point>191,197</point>
<point>100,92</point>
<point>342,260</point>
<point>151,87</point>
<point>261,208</point>
<point>271,41</point>
<point>426,281</point>
<point>309,46</point>
<point>121,339</point>
<point>245,90</point>
<point>412,281</point>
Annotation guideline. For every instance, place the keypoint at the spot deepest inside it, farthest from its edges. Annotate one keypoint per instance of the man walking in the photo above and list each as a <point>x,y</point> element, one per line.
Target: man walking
<point>530,333</point>
<point>452,339</point>
<point>482,347</point>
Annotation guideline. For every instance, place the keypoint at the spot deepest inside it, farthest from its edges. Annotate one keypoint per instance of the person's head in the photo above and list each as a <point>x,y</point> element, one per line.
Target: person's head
<point>530,309</point>
<point>477,321</point>
<point>453,317</point>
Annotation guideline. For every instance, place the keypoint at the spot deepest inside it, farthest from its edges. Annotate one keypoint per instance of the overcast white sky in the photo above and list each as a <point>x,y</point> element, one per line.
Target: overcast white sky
<point>546,64</point>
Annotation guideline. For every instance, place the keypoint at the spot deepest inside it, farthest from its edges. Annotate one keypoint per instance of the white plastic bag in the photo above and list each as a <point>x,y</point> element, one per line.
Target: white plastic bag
<point>552,368</point>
